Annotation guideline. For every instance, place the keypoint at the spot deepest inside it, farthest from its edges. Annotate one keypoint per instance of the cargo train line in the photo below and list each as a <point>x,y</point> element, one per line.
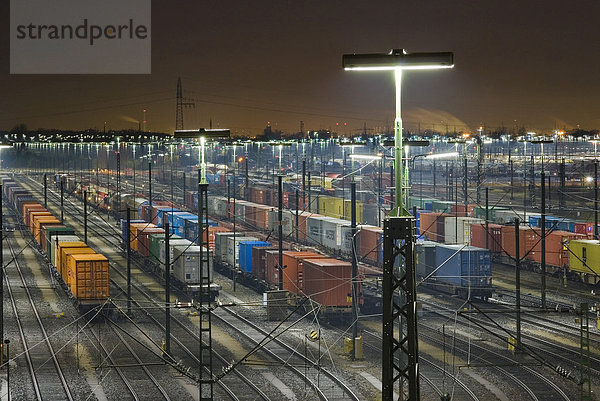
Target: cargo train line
<point>334,382</point>
<point>191,338</point>
<point>48,379</point>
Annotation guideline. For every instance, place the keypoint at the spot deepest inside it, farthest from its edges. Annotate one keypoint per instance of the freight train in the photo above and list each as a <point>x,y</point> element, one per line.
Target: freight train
<point>83,272</point>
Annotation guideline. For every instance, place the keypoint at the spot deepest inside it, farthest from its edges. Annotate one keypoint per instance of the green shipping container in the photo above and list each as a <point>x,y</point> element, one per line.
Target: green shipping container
<point>154,241</point>
<point>479,212</point>
<point>442,206</point>
<point>53,232</point>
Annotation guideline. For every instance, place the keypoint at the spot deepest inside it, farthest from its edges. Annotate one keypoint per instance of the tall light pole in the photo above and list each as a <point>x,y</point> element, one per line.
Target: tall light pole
<point>399,228</point>
<point>204,309</point>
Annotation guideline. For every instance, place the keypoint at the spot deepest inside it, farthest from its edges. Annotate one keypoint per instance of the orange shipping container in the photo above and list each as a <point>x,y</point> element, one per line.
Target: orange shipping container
<point>64,259</point>
<point>134,236</point>
<point>432,226</point>
<point>31,207</point>
<point>528,238</point>
<point>211,235</point>
<point>143,243</point>
<point>370,244</point>
<point>557,253</point>
<point>494,236</point>
<point>89,277</point>
<point>328,282</point>
<point>40,223</point>
<point>64,245</point>
<point>33,215</point>
<point>292,269</point>
<point>459,209</point>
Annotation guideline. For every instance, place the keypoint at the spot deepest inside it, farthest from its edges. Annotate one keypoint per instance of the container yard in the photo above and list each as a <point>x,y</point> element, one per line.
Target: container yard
<point>280,201</point>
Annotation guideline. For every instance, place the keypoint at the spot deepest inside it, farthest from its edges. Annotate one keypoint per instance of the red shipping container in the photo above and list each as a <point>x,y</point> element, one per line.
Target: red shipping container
<point>494,236</point>
<point>328,282</point>
<point>143,241</point>
<point>31,207</point>
<point>528,238</point>
<point>459,209</point>
<point>557,254</point>
<point>370,244</point>
<point>259,260</point>
<point>586,229</point>
<point>432,226</point>
<point>292,269</point>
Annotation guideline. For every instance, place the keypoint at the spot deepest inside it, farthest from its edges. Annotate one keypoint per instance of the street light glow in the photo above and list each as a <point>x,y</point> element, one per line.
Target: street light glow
<point>447,155</point>
<point>397,59</point>
<point>366,157</point>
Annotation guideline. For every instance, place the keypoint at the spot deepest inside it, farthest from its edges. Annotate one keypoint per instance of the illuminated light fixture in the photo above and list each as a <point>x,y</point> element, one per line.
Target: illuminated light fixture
<point>447,155</point>
<point>589,179</point>
<point>202,134</point>
<point>366,157</point>
<point>397,60</point>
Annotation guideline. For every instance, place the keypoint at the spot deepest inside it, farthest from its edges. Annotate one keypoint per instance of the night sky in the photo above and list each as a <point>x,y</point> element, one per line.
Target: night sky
<point>245,63</point>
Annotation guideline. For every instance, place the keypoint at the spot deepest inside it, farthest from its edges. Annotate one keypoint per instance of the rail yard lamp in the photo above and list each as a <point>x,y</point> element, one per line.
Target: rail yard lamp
<point>399,229</point>
<point>204,309</point>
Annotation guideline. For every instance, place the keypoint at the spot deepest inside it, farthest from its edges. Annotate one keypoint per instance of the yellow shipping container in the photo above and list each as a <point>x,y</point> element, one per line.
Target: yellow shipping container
<point>331,206</point>
<point>89,276</point>
<point>60,247</point>
<point>42,220</point>
<point>64,259</point>
<point>584,257</point>
<point>348,211</point>
<point>32,217</point>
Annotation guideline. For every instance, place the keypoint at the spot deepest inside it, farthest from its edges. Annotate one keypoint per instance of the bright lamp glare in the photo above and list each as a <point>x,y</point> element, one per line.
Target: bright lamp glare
<point>394,68</point>
<point>365,157</point>
<point>589,179</point>
<point>448,155</point>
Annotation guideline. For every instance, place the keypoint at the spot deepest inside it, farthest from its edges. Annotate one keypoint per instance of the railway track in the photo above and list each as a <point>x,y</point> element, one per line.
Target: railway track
<point>334,382</point>
<point>47,376</point>
<point>187,339</point>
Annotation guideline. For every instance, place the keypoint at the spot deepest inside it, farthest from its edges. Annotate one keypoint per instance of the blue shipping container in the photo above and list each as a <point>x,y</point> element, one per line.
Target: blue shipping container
<point>124,229</point>
<point>160,214</point>
<point>536,221</point>
<point>245,256</point>
<point>429,206</point>
<point>463,266</point>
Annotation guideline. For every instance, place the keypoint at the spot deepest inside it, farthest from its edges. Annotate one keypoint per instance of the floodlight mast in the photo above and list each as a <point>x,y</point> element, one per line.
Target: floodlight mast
<point>202,134</point>
<point>397,60</point>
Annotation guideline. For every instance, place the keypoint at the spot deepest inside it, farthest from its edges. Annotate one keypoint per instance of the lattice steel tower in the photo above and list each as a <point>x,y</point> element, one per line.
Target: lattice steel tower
<point>180,105</point>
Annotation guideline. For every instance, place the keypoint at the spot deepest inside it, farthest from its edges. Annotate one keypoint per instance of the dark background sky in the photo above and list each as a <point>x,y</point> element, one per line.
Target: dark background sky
<point>527,63</point>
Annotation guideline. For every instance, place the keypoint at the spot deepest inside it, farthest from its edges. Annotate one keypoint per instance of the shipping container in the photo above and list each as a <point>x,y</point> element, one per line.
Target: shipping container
<point>42,221</point>
<point>136,229</point>
<point>457,230</point>
<point>233,249</point>
<point>494,237</point>
<point>143,243</point>
<point>28,208</point>
<point>186,265</point>
<point>124,229</point>
<point>245,253</point>
<point>425,258</point>
<point>54,232</point>
<point>370,244</point>
<point>60,245</point>
<point>432,226</point>
<point>54,241</point>
<point>33,215</point>
<point>528,238</point>
<point>584,259</point>
<point>220,253</point>
<point>90,277</point>
<point>458,209</point>
<point>557,252</point>
<point>173,242</point>
<point>328,282</point>
<point>467,268</point>
<point>259,263</point>
<point>64,260</point>
<point>293,262</point>
<point>288,222</point>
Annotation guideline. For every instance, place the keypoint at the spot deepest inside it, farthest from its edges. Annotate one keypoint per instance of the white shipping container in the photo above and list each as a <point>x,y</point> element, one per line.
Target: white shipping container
<point>55,241</point>
<point>172,243</point>
<point>331,235</point>
<point>187,263</point>
<point>233,249</point>
<point>458,229</point>
<point>288,221</point>
<point>314,229</point>
<point>221,245</point>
